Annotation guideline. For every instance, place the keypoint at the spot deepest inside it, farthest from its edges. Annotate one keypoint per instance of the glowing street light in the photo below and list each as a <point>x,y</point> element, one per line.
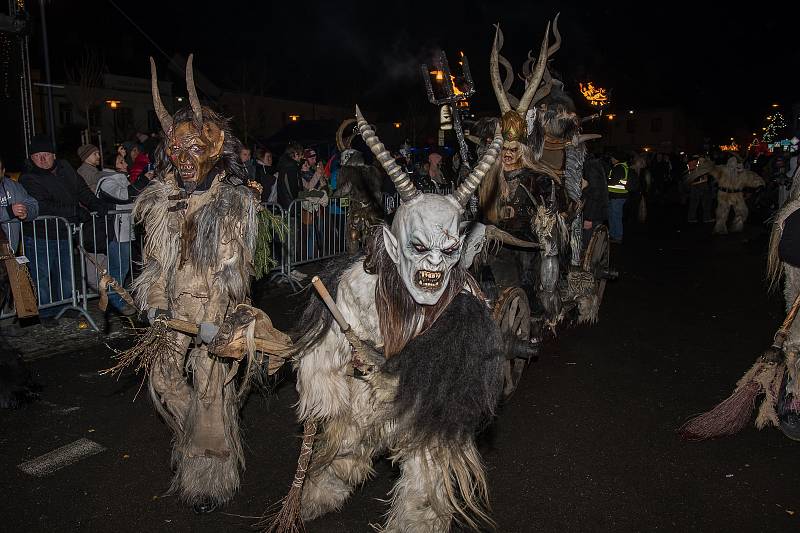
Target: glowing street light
<point>113,104</point>
<point>397,124</point>
<point>294,118</point>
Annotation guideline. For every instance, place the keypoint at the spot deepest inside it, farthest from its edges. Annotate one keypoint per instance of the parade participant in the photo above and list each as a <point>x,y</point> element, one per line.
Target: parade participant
<point>440,374</point>
<point>700,193</point>
<point>201,225</point>
<point>541,180</point>
<point>361,184</point>
<point>732,178</point>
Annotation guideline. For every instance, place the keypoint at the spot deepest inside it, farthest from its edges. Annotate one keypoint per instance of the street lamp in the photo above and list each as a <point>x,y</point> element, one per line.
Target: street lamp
<point>114,104</point>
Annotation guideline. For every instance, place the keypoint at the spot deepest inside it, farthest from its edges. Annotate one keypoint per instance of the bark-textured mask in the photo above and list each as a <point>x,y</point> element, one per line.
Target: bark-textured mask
<point>512,155</point>
<point>194,146</point>
<point>425,240</point>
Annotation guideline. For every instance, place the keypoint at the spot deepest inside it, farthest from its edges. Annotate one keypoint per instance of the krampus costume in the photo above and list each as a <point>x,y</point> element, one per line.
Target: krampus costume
<point>201,226</point>
<point>541,182</point>
<point>775,374</point>
<point>732,178</point>
<point>361,184</point>
<point>412,297</point>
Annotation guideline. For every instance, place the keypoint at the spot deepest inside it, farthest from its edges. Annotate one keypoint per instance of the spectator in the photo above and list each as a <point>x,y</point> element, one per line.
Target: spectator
<point>289,175</point>
<point>138,162</point>
<point>61,193</point>
<point>265,175</point>
<point>246,157</point>
<point>120,160</point>
<point>90,158</point>
<point>315,199</point>
<point>16,205</point>
<point>617,194</point>
<point>595,196</point>
<point>114,190</point>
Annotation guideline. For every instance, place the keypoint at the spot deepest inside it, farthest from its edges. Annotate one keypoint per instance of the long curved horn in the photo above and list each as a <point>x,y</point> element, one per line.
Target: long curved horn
<point>508,81</point>
<point>340,142</point>
<point>161,112</point>
<point>556,45</point>
<point>190,88</point>
<point>495,233</point>
<point>536,76</point>
<point>583,137</point>
<point>471,182</point>
<point>494,71</point>
<point>402,181</point>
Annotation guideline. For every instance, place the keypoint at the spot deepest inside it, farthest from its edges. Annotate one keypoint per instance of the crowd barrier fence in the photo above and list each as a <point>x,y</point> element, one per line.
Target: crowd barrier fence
<point>61,255</point>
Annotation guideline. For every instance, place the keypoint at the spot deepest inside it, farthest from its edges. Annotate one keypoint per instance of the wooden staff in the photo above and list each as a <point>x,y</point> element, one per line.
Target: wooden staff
<point>288,520</point>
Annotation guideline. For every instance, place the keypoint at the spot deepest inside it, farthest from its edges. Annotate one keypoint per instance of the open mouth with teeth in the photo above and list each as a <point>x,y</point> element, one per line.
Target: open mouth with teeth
<point>186,170</point>
<point>428,279</point>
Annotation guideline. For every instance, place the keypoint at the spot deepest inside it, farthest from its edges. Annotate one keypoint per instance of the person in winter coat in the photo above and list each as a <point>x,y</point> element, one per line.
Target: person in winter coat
<point>289,175</point>
<point>62,193</point>
<point>595,196</point>
<point>16,205</point>
<point>90,158</point>
<point>114,190</point>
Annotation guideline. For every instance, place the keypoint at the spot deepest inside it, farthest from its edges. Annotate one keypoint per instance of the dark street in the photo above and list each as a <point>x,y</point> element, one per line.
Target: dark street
<point>587,442</point>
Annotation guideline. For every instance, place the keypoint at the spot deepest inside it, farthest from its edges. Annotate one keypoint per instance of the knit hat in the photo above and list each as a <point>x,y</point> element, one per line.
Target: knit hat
<point>86,150</point>
<point>41,143</point>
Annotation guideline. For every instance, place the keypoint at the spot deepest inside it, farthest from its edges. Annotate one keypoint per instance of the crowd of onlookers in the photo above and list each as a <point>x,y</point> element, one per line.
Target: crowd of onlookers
<point>618,187</point>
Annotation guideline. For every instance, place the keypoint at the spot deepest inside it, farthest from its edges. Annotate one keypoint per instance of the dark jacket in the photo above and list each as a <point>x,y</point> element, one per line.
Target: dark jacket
<point>60,192</point>
<point>288,180</point>
<point>265,176</point>
<point>595,196</point>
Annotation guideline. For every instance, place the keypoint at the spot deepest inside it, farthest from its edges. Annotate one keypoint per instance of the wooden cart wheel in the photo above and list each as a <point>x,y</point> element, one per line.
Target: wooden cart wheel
<point>597,261</point>
<point>512,313</point>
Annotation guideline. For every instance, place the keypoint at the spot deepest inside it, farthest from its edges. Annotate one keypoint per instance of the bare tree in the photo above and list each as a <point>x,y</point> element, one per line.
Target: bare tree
<point>87,74</point>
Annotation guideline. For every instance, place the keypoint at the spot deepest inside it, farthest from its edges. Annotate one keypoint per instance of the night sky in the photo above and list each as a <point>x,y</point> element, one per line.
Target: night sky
<point>725,66</point>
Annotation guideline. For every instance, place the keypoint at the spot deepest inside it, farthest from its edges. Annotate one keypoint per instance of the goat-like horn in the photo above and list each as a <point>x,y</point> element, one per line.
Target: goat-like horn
<point>190,88</point>
<point>471,182</point>
<point>494,71</point>
<point>161,112</point>
<point>583,137</point>
<point>495,233</point>
<point>536,76</point>
<point>556,45</point>
<point>402,181</point>
<point>341,144</point>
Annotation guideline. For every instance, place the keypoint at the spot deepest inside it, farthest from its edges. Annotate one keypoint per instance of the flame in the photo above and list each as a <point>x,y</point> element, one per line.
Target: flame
<point>439,76</point>
<point>595,95</point>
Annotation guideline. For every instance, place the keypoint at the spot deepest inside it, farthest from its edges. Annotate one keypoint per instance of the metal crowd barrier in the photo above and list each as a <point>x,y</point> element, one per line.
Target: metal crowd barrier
<point>51,245</point>
<point>47,244</point>
<point>316,231</point>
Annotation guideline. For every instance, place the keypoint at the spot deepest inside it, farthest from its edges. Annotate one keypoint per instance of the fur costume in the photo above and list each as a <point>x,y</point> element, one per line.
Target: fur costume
<point>412,297</point>
<point>544,128</point>
<point>201,226</point>
<point>732,178</point>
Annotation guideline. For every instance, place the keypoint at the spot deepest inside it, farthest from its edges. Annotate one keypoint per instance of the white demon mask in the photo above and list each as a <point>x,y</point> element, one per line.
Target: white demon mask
<point>425,241</point>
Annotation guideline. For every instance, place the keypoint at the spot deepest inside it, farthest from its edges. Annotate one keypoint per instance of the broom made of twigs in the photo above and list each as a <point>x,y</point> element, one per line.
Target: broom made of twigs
<point>288,519</point>
<point>764,377</point>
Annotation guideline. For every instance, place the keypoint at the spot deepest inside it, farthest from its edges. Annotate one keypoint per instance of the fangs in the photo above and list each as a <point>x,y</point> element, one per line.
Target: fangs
<point>429,279</point>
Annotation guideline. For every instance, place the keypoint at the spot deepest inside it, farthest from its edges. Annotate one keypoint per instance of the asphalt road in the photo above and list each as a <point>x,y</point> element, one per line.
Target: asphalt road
<point>587,443</point>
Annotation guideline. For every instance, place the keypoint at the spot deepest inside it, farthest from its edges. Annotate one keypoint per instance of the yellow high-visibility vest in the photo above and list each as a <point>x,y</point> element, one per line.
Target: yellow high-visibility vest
<point>619,188</point>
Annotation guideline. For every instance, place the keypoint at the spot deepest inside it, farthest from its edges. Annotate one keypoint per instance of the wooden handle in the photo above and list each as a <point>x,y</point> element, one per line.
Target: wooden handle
<point>326,297</point>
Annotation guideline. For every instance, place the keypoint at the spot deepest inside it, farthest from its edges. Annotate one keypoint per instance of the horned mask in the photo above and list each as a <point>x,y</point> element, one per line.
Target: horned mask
<point>194,146</point>
<point>426,236</point>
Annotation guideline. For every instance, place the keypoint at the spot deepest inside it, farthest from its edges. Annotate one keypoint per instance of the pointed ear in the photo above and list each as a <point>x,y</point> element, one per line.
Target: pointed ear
<point>390,243</point>
<point>215,137</point>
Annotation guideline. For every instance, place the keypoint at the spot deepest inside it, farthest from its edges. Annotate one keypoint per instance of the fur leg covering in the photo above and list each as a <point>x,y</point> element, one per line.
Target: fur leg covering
<point>436,486</point>
<point>201,478</point>
<point>740,213</point>
<point>342,460</point>
<point>723,207</point>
